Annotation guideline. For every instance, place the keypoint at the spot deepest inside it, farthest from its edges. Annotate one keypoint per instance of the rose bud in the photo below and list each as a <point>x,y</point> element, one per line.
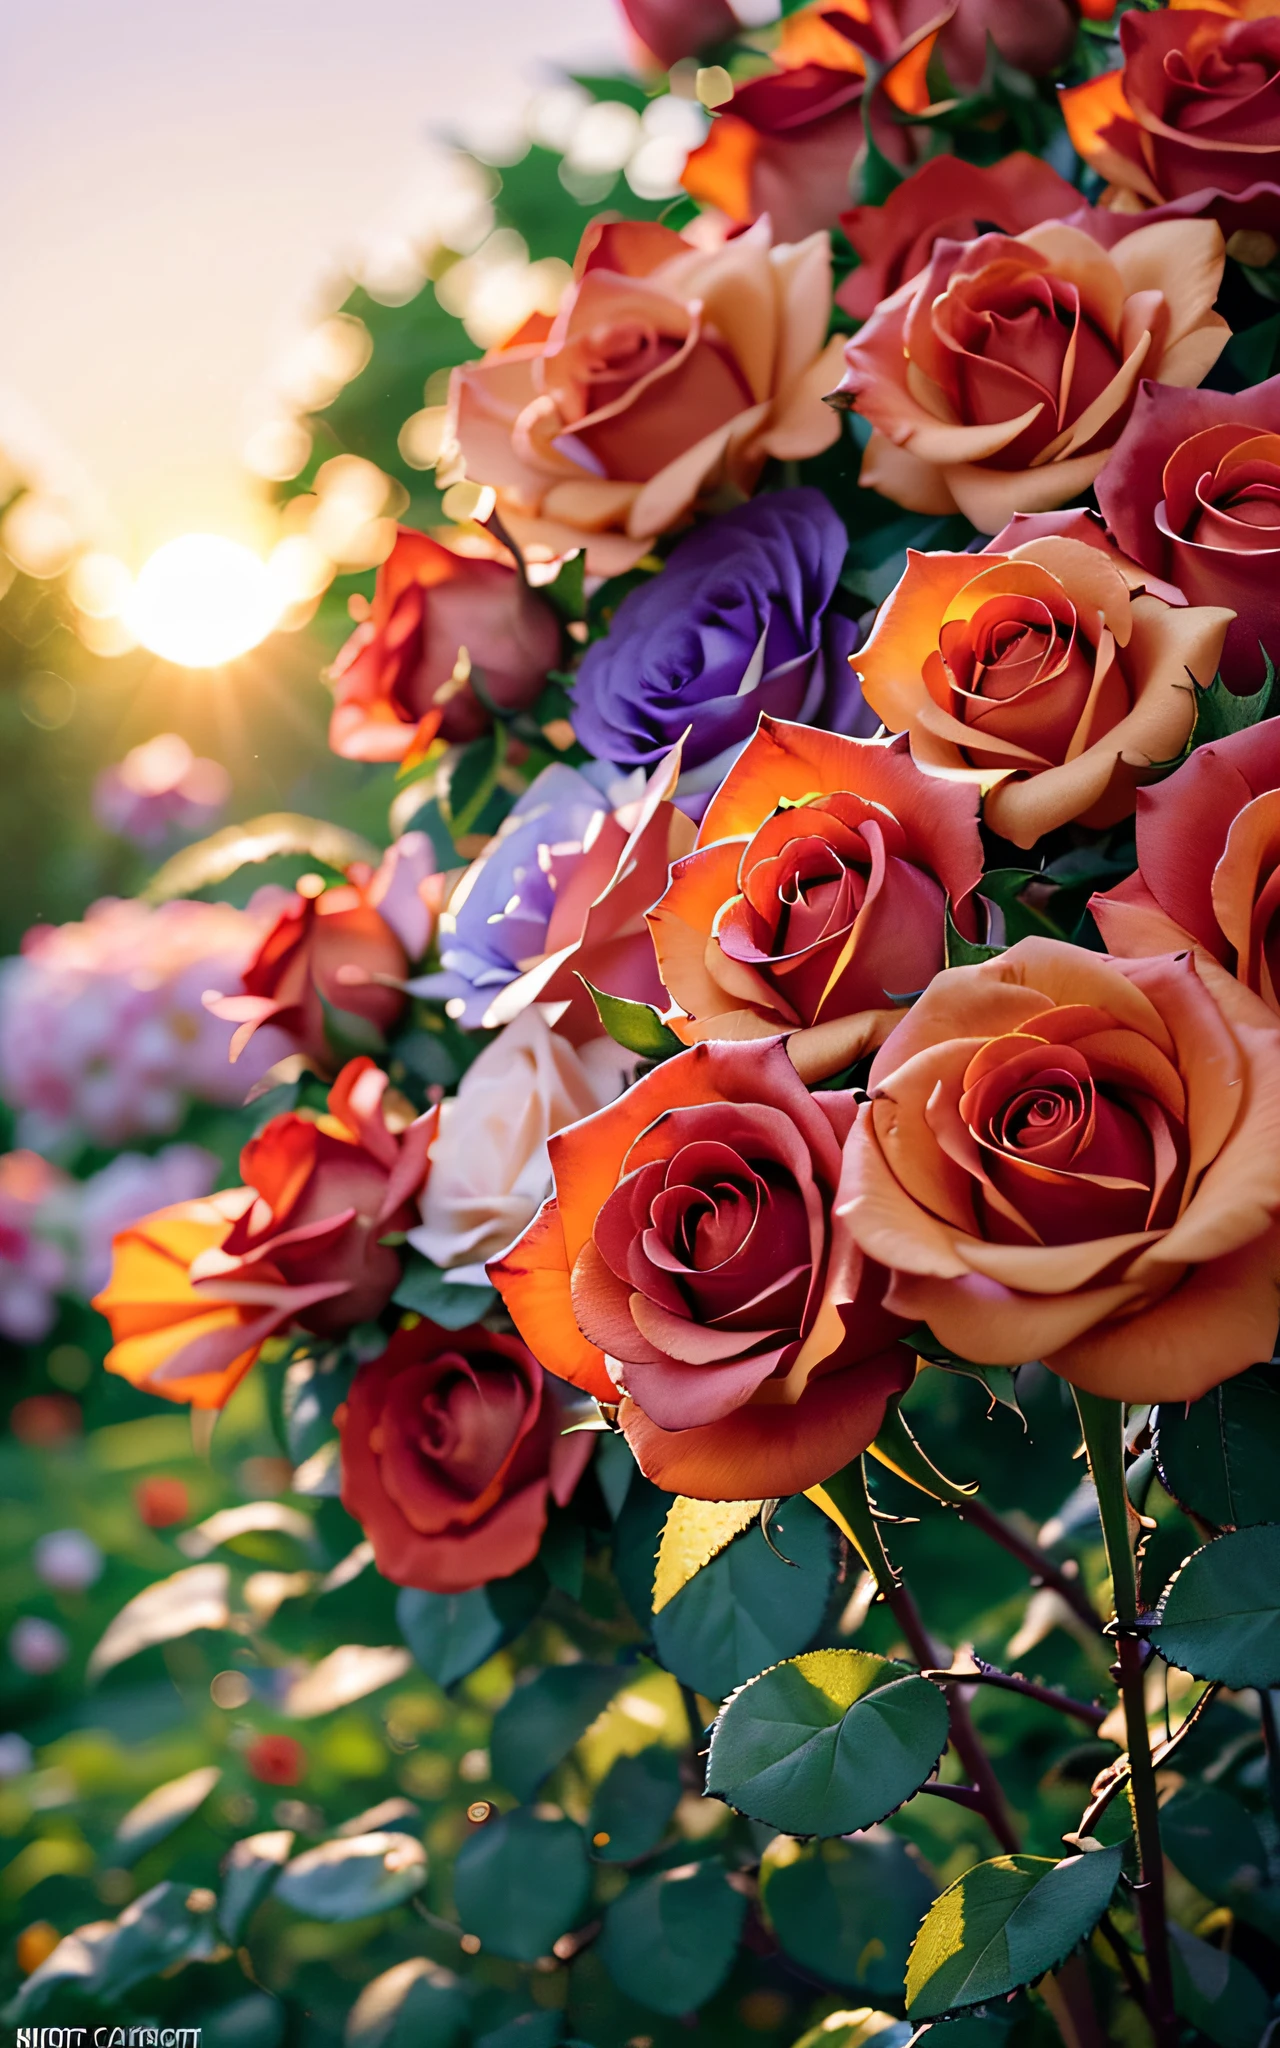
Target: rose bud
<point>816,898</point>
<point>1073,1159</point>
<point>195,1290</point>
<point>685,1265</point>
<point>452,1445</point>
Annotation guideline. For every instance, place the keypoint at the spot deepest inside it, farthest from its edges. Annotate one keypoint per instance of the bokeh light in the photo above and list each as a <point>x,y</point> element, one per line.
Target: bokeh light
<point>203,600</point>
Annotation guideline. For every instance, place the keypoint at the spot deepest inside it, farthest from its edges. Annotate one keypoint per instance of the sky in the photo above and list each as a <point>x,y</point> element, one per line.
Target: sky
<point>180,177</point>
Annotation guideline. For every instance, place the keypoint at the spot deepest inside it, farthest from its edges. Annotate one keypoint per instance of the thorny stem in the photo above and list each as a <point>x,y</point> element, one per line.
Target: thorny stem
<point>1080,1710</point>
<point>1037,1561</point>
<point>1103,1424</point>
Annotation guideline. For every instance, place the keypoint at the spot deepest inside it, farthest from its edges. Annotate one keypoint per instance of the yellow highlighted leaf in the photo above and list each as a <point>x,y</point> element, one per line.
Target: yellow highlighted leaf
<point>694,1533</point>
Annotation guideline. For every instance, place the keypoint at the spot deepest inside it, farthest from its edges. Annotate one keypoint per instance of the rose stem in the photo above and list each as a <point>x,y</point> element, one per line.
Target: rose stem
<point>1037,1561</point>
<point>1080,1710</point>
<point>848,1492</point>
<point>1102,1422</point>
<point>1123,1954</point>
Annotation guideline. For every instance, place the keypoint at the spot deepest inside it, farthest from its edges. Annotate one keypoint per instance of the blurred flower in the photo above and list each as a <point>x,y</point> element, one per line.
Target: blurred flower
<point>159,788</point>
<point>276,1760</point>
<point>103,1035</point>
<point>33,1270</point>
<point>131,1185</point>
<point>37,1942</point>
<point>68,1560</point>
<point>737,624</point>
<point>46,1420</point>
<point>161,1502</point>
<point>16,1756</point>
<point>671,29</point>
<point>37,1646</point>
<point>440,616</point>
<point>405,891</point>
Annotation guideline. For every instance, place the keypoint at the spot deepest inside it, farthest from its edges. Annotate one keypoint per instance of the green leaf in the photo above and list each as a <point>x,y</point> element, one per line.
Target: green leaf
<point>161,1812</point>
<point>249,1869</point>
<point>415,2002</point>
<point>827,1743</point>
<point>637,1026</point>
<point>214,859</point>
<point>694,1532</point>
<point>1003,1924</point>
<point>313,1389</point>
<point>521,1882</point>
<point>1221,712</point>
<point>1217,1993</point>
<point>637,1531</point>
<point>1005,887</point>
<point>1252,351</point>
<point>255,2021</point>
<point>354,1876</point>
<point>1219,1616</point>
<point>749,1607</point>
<point>537,1727</point>
<point>1219,1456</point>
<point>633,1805</point>
<point>847,1911</point>
<point>1215,1843</point>
<point>861,2029</point>
<point>670,1940</point>
<point>453,1634</point>
<point>106,1959</point>
<point>428,1291</point>
<point>962,952</point>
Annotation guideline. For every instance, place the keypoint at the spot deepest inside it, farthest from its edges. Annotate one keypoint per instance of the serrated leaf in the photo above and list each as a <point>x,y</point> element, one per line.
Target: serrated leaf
<point>827,1743</point>
<point>214,859</point>
<point>694,1532</point>
<point>1218,1456</point>
<point>162,1811</point>
<point>414,2003</point>
<point>1219,1616</point>
<point>637,1026</point>
<point>453,1634</point>
<point>428,1291</point>
<point>520,1882</point>
<point>847,1911</point>
<point>1003,1924</point>
<point>249,1869</point>
<point>749,1606</point>
<point>536,1728</point>
<point>172,1607</point>
<point>962,952</point>
<point>1221,712</point>
<point>353,1877</point>
<point>670,1940</point>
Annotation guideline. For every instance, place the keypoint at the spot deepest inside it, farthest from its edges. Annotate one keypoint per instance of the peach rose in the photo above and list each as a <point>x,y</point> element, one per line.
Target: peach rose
<point>1077,1159</point>
<point>682,1267</point>
<point>670,373</point>
<point>1208,863</point>
<point>815,900</point>
<point>999,379</point>
<point>1042,674</point>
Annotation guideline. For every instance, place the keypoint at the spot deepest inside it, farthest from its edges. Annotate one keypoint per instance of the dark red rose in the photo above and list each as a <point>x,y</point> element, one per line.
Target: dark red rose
<point>452,1445</point>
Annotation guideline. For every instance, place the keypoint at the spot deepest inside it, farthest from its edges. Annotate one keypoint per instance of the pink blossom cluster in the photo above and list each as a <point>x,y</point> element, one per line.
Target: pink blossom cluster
<point>160,788</point>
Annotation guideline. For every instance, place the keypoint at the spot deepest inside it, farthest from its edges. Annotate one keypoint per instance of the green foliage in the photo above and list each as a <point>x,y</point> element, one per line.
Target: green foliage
<point>249,1870</point>
<point>1219,1994</point>
<point>669,1941</point>
<point>354,1876</point>
<point>1220,712</point>
<point>454,1304</point>
<point>847,1911</point>
<point>1219,1618</point>
<point>637,1026</point>
<point>543,1719</point>
<point>827,1743</point>
<point>413,2002</point>
<point>1003,1924</point>
<point>452,1634</point>
<point>521,1882</point>
<point>633,1805</point>
<point>749,1606</point>
<point>1216,1844</point>
<point>1218,1456</point>
<point>166,1926</point>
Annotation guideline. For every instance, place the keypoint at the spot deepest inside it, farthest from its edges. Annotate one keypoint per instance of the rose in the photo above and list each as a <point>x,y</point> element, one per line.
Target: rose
<point>1038,671</point>
<point>683,1265</point>
<point>489,1171</point>
<point>451,1446</point>
<point>671,372</point>
<point>998,380</point>
<point>557,897</point>
<point>816,898</point>
<point>1192,492</point>
<point>672,29</point>
<point>1193,116</point>
<point>329,950</point>
<point>196,1289</point>
<point>737,623</point>
<point>439,615</point>
<point>1208,863</point>
<point>1073,1159</point>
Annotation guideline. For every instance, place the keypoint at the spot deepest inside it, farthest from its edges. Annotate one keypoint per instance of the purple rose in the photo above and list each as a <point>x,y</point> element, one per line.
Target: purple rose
<point>738,622</point>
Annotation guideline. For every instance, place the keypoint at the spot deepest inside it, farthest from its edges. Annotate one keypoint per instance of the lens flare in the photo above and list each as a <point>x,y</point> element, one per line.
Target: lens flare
<point>203,600</point>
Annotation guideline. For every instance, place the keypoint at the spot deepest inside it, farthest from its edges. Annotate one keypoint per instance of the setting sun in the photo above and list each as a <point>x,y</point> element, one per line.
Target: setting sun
<point>203,600</point>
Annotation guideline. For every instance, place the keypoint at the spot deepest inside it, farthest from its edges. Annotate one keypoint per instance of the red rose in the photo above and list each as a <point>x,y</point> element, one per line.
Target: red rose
<point>438,615</point>
<point>452,1443</point>
<point>276,1760</point>
<point>684,1263</point>
<point>672,29</point>
<point>1192,492</point>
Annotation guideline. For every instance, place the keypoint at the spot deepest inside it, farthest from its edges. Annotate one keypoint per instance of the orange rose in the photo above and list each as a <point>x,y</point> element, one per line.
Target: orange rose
<point>196,1290</point>
<point>998,380</point>
<point>671,372</point>
<point>683,1265</point>
<point>1041,673</point>
<point>1078,1159</point>
<point>815,900</point>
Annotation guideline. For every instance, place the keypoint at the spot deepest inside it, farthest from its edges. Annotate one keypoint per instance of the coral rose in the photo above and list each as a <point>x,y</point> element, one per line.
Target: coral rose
<point>1078,1160</point>
<point>439,616</point>
<point>1192,492</point>
<point>1040,673</point>
<point>329,951</point>
<point>815,901</point>
<point>998,380</point>
<point>670,373</point>
<point>195,1290</point>
<point>684,1265</point>
<point>452,1445</point>
<point>1193,117</point>
<point>1208,863</point>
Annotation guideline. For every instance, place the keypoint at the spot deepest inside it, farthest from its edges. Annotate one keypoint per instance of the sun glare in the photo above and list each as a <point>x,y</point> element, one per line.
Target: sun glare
<point>203,600</point>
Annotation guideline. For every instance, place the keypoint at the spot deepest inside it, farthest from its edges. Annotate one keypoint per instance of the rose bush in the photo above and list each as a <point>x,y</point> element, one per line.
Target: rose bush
<point>1038,672</point>
<point>815,901</point>
<point>683,1268</point>
<point>999,379</point>
<point>1075,1159</point>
